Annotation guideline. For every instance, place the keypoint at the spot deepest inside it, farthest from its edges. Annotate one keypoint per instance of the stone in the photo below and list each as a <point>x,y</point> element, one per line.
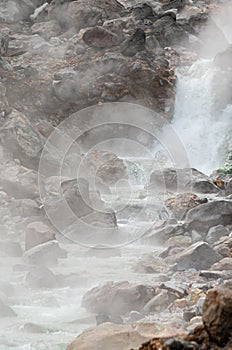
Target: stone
<point>159,236</point>
<point>215,233</point>
<point>83,14</point>
<point>5,310</point>
<point>18,181</point>
<point>117,298</point>
<point>199,256</point>
<point>46,29</point>
<point>36,233</point>
<point>42,277</point>
<point>224,246</point>
<point>180,204</point>
<point>158,303</point>
<point>45,254</point>
<point>185,179</point>
<point>143,11</point>
<point>217,314</point>
<point>99,37</point>
<point>168,32</point>
<point>222,265</point>
<point>205,216</point>
<point>136,42</point>
<point>109,336</point>
<point>21,138</point>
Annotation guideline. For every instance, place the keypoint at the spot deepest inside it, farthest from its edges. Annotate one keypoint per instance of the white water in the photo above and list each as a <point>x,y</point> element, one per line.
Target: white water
<point>201,132</point>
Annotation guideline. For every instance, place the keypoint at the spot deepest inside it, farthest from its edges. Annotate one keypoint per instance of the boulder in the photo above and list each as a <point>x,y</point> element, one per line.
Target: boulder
<point>117,298</point>
<point>42,277</point>
<point>46,30</point>
<point>111,336</point>
<point>21,138</point>
<point>168,32</point>
<point>180,204</point>
<point>36,233</point>
<point>205,216</point>
<point>83,13</point>
<point>186,179</point>
<point>45,254</point>
<point>222,265</point>
<point>133,44</point>
<point>99,37</point>
<point>217,315</point>
<point>199,256</point>
<point>18,181</point>
<point>215,233</point>
<point>5,310</point>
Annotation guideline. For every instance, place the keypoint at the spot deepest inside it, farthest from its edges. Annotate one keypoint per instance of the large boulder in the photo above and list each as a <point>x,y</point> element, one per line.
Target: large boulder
<point>185,179</point>
<point>168,32</point>
<point>36,233</point>
<point>217,315</point>
<point>199,256</point>
<point>205,216</point>
<point>111,336</point>
<point>20,137</point>
<point>45,254</point>
<point>117,298</point>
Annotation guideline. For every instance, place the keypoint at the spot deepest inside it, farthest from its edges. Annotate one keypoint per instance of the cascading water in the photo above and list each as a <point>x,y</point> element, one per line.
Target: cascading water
<point>200,131</point>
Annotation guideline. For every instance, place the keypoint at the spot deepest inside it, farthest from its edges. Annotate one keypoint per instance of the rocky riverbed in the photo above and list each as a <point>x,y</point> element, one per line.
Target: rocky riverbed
<point>110,236</point>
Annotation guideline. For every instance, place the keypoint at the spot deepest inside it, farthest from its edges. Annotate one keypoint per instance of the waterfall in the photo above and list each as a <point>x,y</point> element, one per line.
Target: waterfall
<point>200,131</point>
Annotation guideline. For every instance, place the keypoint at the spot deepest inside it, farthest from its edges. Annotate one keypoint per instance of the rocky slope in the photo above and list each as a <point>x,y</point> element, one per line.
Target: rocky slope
<point>101,51</point>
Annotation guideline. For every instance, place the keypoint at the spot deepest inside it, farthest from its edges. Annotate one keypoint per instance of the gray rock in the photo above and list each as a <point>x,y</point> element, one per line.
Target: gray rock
<point>44,254</point>
<point>117,298</point>
<point>36,233</point>
<point>205,216</point>
<point>42,277</point>
<point>186,179</point>
<point>215,233</point>
<point>99,37</point>
<point>46,29</point>
<point>198,256</point>
<point>136,42</point>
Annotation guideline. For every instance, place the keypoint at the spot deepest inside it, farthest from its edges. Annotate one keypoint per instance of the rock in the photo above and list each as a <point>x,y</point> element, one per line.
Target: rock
<point>224,246</point>
<point>217,315</point>
<point>205,216</point>
<point>19,181</point>
<point>21,138</point>
<point>136,42</point>
<point>36,233</point>
<point>4,43</point>
<point>25,207</point>
<point>143,11</point>
<point>45,253</point>
<point>83,14</point>
<point>42,277</point>
<point>5,310</point>
<point>117,298</point>
<point>109,336</point>
<point>228,189</point>
<point>222,265</point>
<point>158,237</point>
<point>187,179</point>
<point>14,11</point>
<point>198,256</point>
<point>46,29</point>
<point>168,32</point>
<point>215,233</point>
<point>158,303</point>
<point>106,166</point>
<point>182,203</point>
<point>99,37</point>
